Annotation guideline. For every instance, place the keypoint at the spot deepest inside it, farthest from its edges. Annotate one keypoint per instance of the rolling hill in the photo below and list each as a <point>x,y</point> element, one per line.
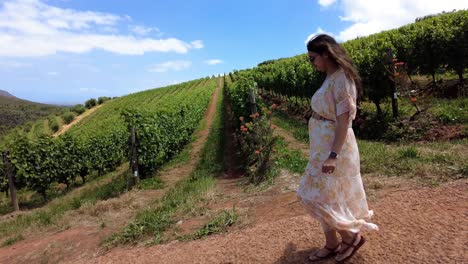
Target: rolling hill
<point>6,94</point>
<point>15,112</point>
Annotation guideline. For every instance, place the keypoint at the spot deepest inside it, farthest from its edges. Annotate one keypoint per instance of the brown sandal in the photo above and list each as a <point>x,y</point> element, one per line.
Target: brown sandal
<point>355,247</point>
<point>331,252</point>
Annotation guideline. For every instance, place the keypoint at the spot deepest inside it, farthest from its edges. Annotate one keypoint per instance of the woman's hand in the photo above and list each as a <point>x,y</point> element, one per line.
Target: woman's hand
<point>329,166</point>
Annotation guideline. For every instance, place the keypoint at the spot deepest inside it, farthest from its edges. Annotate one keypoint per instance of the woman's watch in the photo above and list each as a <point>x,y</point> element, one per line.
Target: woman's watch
<point>333,155</point>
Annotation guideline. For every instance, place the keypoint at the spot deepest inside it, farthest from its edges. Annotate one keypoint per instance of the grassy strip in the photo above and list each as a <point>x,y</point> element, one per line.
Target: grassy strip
<point>151,184</point>
<point>453,111</point>
<point>218,224</point>
<point>108,186</point>
<point>298,129</point>
<point>292,160</point>
<point>446,111</point>
<point>10,241</point>
<point>432,163</point>
<point>156,219</point>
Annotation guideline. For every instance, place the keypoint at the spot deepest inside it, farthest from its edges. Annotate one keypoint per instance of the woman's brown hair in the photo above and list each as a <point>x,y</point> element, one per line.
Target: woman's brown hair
<point>322,44</point>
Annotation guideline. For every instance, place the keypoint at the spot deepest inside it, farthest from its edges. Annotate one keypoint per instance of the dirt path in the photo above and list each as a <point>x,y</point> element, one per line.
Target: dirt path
<point>75,121</point>
<point>87,226</point>
<point>417,225</point>
<point>424,225</point>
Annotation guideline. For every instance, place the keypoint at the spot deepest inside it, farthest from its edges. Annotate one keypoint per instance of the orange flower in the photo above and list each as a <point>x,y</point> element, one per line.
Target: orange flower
<point>255,115</point>
<point>397,74</point>
<point>241,118</point>
<point>269,112</point>
<point>413,99</point>
<point>257,151</point>
<point>274,106</point>
<point>274,127</point>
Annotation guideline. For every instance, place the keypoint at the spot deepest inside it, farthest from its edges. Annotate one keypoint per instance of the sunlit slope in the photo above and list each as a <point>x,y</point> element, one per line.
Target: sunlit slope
<point>108,117</point>
<point>15,112</point>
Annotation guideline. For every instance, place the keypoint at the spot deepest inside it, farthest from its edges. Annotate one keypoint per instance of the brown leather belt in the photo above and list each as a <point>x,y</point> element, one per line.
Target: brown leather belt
<point>319,117</point>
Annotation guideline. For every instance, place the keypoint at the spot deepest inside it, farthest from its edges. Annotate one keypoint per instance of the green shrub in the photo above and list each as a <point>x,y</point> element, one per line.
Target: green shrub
<point>369,125</point>
<point>68,117</point>
<point>90,103</point>
<point>78,109</point>
<point>102,99</point>
<point>256,142</point>
<point>53,124</point>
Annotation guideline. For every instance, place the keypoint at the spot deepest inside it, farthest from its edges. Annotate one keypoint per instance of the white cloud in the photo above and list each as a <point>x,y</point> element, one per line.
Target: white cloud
<point>170,66</point>
<point>141,30</point>
<point>368,17</point>
<point>317,32</point>
<point>213,62</point>
<point>30,28</point>
<point>326,3</point>
<point>197,44</point>
<point>52,73</point>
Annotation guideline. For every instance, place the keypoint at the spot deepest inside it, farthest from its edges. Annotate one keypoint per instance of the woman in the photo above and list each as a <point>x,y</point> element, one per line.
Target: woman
<point>331,189</point>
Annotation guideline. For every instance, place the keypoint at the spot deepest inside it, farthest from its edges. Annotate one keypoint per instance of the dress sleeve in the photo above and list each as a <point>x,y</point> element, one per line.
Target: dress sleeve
<point>344,94</point>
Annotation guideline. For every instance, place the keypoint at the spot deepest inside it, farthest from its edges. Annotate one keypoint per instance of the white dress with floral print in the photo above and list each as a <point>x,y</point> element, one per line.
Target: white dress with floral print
<point>338,199</point>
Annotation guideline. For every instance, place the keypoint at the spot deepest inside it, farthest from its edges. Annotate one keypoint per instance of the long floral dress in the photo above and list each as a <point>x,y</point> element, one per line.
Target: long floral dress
<point>338,199</point>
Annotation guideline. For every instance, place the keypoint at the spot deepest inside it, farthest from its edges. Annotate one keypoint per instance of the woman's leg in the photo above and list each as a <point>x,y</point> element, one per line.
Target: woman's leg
<point>330,236</point>
<point>351,242</point>
<point>346,235</point>
<point>331,242</point>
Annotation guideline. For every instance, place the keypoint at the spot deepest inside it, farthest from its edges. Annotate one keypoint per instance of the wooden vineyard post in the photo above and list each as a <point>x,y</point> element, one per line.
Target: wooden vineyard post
<point>11,179</point>
<point>391,66</point>
<point>135,178</point>
<point>253,104</point>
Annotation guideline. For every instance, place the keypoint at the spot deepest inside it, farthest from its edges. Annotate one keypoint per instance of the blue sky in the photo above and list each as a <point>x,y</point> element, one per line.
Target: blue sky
<point>67,51</point>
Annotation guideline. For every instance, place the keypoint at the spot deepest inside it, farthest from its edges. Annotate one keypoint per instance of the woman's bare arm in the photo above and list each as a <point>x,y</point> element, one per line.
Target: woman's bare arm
<point>341,131</point>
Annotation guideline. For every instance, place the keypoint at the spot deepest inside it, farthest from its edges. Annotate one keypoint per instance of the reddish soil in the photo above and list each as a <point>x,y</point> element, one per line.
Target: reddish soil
<point>445,133</point>
<point>417,225</point>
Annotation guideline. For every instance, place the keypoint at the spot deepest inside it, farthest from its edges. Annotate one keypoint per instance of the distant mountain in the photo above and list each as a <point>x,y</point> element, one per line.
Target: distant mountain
<point>6,94</point>
<point>16,112</point>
